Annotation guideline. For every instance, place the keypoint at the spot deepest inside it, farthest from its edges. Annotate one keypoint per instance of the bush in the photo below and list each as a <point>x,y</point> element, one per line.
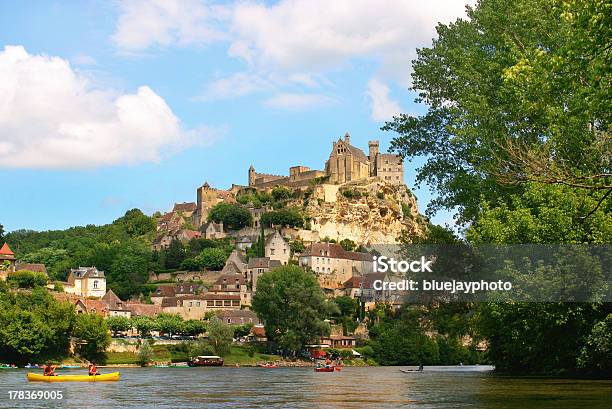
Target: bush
<point>212,259</point>
<point>145,354</point>
<point>233,216</point>
<point>27,279</point>
<point>281,193</point>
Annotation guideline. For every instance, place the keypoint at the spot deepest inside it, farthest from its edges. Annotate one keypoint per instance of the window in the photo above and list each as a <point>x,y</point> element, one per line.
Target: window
<point>210,303</point>
<point>271,252</point>
<point>197,303</point>
<point>95,284</point>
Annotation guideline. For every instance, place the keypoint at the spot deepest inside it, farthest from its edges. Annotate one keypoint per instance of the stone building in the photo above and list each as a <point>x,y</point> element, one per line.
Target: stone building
<point>346,163</point>
<point>277,248</point>
<point>206,198</point>
<point>333,265</point>
<point>86,282</point>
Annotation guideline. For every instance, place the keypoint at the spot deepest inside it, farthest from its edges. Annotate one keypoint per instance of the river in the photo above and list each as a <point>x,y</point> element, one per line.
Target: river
<point>359,387</point>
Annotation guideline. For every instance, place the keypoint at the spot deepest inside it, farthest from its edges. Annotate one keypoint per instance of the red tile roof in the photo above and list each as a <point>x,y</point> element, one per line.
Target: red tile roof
<point>333,250</point>
<point>184,207</point>
<point>6,250</point>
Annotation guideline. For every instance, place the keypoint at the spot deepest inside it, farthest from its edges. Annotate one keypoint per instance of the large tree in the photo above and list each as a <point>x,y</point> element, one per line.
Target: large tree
<point>292,307</point>
<point>517,92</point>
<point>233,215</point>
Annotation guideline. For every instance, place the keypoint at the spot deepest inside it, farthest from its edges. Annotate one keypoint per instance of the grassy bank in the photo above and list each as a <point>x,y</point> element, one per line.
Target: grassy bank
<point>240,355</point>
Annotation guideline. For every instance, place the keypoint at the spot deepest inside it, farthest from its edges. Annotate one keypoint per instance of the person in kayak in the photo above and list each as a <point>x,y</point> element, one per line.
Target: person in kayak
<point>49,370</point>
<point>93,370</point>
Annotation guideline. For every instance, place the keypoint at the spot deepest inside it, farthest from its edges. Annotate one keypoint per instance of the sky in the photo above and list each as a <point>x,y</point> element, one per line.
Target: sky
<point>111,105</point>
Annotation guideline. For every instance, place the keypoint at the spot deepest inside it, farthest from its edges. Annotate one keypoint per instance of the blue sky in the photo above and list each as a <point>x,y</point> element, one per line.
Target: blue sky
<point>108,106</point>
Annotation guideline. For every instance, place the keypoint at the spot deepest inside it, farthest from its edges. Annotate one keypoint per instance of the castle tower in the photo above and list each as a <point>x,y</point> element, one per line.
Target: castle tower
<point>374,151</point>
<point>251,176</point>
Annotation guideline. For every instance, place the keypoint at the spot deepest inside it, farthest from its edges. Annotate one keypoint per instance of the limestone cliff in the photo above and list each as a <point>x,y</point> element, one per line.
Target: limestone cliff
<point>367,212</point>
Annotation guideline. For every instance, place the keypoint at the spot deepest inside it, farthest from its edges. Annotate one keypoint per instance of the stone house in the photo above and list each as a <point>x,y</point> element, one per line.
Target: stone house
<point>116,307</point>
<point>256,267</point>
<point>213,230</point>
<point>196,306</point>
<point>86,282</point>
<point>234,284</point>
<point>238,317</point>
<point>186,209</point>
<point>245,242</point>
<point>277,248</point>
<point>334,264</point>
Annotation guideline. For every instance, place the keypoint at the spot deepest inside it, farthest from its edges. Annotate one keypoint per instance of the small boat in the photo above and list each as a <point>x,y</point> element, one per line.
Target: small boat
<point>325,369</point>
<point>207,360</point>
<point>8,367</point>
<point>69,366</point>
<point>109,377</point>
<point>338,368</point>
<point>411,370</point>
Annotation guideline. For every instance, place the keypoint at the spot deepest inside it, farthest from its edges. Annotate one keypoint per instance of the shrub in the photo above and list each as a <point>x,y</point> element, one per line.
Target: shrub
<point>27,279</point>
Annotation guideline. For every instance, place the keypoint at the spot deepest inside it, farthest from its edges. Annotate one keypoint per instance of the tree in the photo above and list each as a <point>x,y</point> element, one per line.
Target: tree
<point>212,258</point>
<point>190,264</point>
<point>175,254</point>
<point>169,323</point>
<point>346,305</point>
<point>289,217</point>
<point>145,354</point>
<point>136,223</point>
<point>297,246</point>
<point>1,234</point>
<point>128,273</point>
<point>242,330</point>
<point>193,327</point>
<point>143,324</point>
<point>281,193</point>
<point>292,307</point>
<point>93,336</point>
<point>348,245</point>
<point>516,92</point>
<point>118,323</point>
<point>220,336</point>
<point>27,279</point>
<point>233,215</point>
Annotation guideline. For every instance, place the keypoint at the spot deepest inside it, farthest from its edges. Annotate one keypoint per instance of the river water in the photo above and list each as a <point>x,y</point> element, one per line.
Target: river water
<point>359,387</point>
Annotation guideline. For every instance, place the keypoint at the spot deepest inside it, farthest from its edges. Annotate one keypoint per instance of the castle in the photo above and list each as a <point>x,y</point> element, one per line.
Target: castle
<point>346,163</point>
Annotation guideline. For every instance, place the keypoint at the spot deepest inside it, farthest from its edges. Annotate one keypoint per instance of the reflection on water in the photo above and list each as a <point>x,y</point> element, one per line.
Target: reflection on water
<point>375,387</point>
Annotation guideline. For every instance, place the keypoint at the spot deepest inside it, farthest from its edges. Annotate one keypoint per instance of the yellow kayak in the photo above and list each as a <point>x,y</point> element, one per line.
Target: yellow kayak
<point>114,376</point>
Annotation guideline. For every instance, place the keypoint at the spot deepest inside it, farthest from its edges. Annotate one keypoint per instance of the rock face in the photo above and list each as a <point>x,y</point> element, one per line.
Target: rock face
<point>366,212</point>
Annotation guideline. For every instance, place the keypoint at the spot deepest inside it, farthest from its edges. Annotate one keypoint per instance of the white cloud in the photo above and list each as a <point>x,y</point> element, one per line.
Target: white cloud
<point>320,35</point>
<point>146,23</point>
<point>294,101</point>
<point>84,60</point>
<point>383,107</point>
<point>53,117</point>
<point>235,85</point>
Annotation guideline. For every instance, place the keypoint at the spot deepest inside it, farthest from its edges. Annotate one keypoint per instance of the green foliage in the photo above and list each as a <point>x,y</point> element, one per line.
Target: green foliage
<point>27,279</point>
<point>34,327</point>
<point>234,216</point>
<point>348,245</point>
<point>281,193</point>
<point>169,323</point>
<point>58,287</point>
<point>190,264</point>
<point>174,254</point>
<point>292,307</point>
<point>118,323</point>
<point>93,336</point>
<point>288,217</point>
<point>406,211</point>
<point>242,330</point>
<point>220,336</point>
<point>596,353</point>
<point>144,356</point>
<point>297,246</point>
<point>143,324</point>
<point>193,327</point>
<point>212,258</point>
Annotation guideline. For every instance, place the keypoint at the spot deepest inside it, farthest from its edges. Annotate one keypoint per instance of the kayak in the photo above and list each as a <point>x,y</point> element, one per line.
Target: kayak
<point>33,377</point>
<point>411,370</point>
<point>325,369</point>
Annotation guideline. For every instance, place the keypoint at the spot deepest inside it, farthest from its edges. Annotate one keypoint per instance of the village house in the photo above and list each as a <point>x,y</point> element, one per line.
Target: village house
<point>277,248</point>
<point>338,341</point>
<point>235,264</point>
<point>238,317</point>
<point>234,284</point>
<point>213,231</point>
<point>196,306</point>
<point>256,267</point>
<point>116,307</point>
<point>87,306</point>
<point>174,290</point>
<point>333,265</point>
<point>7,261</point>
<point>245,242</point>
<point>86,282</point>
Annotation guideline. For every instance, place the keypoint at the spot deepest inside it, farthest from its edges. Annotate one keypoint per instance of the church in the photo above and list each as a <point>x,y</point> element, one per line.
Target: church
<point>346,163</point>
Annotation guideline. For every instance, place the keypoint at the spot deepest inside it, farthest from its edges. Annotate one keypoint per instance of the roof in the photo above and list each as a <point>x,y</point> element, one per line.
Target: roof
<point>169,302</point>
<point>230,279</point>
<point>98,306</point>
<point>212,296</point>
<point>333,250</point>
<point>5,250</point>
<point>184,207</point>
<point>263,262</point>
<point>86,272</point>
<point>237,314</point>
<point>247,239</point>
<point>35,267</point>
<point>190,288</point>
<point>165,290</point>
<point>368,279</point>
<point>353,150</point>
<point>147,310</point>
<point>191,234</point>
<point>274,235</point>
<point>113,302</point>
<point>353,282</point>
<point>231,267</point>
<point>258,331</point>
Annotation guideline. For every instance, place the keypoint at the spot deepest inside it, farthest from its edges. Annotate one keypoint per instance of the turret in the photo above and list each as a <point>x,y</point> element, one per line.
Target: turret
<point>251,176</point>
<point>374,151</point>
<point>347,138</point>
